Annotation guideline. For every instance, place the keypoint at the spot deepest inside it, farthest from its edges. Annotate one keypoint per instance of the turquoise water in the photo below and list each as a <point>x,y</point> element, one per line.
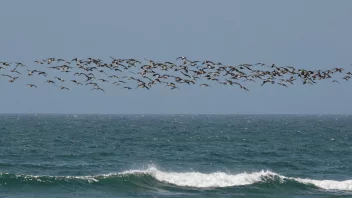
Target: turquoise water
<point>175,156</point>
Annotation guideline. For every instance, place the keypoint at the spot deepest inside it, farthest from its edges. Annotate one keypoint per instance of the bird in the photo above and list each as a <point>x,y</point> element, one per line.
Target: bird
<point>19,64</point>
<point>60,79</point>
<point>50,81</point>
<point>7,75</point>
<point>30,73</point>
<point>62,88</point>
<point>75,81</point>
<point>103,80</point>
<point>39,61</point>
<point>181,57</point>
<point>91,83</point>
<point>31,85</point>
<point>143,86</point>
<point>346,78</point>
<point>98,88</point>
<point>6,64</point>
<point>42,73</point>
<point>282,84</point>
<point>13,79</point>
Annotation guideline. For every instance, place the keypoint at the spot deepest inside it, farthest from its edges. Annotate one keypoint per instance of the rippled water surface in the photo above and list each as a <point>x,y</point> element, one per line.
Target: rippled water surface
<point>175,156</point>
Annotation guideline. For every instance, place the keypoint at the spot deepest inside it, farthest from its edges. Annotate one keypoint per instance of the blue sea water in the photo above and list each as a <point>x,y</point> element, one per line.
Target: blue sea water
<point>175,156</point>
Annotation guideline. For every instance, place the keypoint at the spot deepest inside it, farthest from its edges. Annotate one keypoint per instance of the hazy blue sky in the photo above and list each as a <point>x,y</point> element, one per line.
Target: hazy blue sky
<point>313,34</point>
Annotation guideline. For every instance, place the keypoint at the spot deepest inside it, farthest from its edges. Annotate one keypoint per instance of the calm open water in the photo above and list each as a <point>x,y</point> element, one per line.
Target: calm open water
<point>175,156</point>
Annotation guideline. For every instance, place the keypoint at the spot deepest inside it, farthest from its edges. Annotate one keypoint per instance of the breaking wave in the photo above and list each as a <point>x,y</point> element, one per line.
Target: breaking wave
<point>153,178</point>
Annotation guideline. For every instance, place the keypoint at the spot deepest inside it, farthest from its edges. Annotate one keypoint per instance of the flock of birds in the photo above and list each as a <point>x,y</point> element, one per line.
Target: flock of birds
<point>133,74</point>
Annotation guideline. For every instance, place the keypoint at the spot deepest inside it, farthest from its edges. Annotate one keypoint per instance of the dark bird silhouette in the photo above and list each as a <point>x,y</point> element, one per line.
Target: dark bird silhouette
<point>50,82</point>
<point>60,79</point>
<point>13,79</point>
<point>98,88</point>
<point>31,85</point>
<point>181,57</point>
<point>63,88</point>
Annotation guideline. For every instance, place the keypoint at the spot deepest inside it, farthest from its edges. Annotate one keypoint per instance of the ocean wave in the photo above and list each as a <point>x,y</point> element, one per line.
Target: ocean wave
<point>152,176</point>
<point>203,180</point>
<point>328,184</point>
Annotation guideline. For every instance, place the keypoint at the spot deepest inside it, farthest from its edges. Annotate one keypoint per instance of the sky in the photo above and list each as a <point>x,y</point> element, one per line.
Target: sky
<point>313,34</point>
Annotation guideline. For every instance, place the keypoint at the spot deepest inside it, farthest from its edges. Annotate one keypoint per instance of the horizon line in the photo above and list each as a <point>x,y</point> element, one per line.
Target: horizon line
<point>175,113</point>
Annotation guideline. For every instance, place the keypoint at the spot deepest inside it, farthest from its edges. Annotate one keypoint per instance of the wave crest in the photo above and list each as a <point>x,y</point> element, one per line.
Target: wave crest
<point>202,180</point>
<point>328,184</point>
<point>152,176</point>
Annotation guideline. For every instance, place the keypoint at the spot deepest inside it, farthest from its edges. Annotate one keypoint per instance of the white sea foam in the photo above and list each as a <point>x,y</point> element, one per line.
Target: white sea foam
<point>222,179</point>
<point>203,180</point>
<point>328,184</point>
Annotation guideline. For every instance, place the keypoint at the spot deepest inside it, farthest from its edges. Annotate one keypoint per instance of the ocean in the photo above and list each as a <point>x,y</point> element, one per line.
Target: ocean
<point>86,156</point>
